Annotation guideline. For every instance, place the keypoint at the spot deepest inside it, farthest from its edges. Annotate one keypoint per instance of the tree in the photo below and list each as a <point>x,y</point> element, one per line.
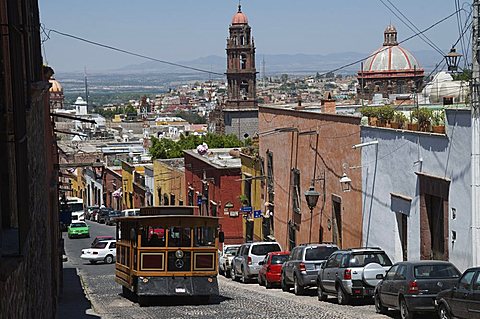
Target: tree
<point>166,148</point>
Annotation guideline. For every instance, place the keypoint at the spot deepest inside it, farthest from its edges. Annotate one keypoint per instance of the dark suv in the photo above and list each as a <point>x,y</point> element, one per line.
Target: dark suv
<point>352,273</point>
<point>301,268</point>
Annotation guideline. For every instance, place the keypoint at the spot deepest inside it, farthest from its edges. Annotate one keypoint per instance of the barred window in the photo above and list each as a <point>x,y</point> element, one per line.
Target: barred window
<point>296,191</point>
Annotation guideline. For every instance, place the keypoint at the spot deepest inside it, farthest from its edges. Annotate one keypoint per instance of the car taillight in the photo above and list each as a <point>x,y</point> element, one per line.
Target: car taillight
<point>249,260</point>
<point>412,287</point>
<point>347,275</point>
<point>301,267</point>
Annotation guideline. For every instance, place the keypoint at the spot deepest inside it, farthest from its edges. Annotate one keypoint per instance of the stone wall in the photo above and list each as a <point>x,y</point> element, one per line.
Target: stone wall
<point>240,123</point>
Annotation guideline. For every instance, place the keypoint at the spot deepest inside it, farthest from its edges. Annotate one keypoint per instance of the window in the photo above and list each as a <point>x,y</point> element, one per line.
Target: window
<point>363,259</point>
<point>243,61</point>
<point>172,199</point>
<point>179,237</point>
<point>190,197</point>
<point>263,249</point>
<point>279,259</point>
<point>332,261</point>
<point>476,285</point>
<point>153,236</point>
<point>319,253</point>
<point>466,281</point>
<point>401,273</point>
<point>204,236</point>
<point>391,273</point>
<point>436,271</point>
<point>165,199</point>
<point>296,191</point>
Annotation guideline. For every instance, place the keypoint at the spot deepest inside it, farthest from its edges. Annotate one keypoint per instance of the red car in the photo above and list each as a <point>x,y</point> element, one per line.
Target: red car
<point>271,271</point>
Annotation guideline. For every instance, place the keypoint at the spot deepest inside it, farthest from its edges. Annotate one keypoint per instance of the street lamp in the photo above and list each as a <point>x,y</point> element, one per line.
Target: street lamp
<point>452,59</point>
<point>346,182</point>
<point>312,198</point>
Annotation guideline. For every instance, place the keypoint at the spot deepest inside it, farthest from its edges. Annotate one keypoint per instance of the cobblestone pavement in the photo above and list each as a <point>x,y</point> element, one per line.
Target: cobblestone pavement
<point>236,300</point>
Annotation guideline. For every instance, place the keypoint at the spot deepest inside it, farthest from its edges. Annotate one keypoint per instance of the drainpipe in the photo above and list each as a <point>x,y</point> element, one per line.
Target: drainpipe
<point>475,160</point>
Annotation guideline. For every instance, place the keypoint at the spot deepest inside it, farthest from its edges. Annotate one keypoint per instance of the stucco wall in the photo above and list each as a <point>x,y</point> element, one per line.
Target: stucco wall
<point>392,170</point>
<point>240,123</point>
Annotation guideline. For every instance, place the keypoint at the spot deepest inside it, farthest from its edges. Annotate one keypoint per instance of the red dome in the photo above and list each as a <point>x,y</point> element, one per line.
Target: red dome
<point>239,17</point>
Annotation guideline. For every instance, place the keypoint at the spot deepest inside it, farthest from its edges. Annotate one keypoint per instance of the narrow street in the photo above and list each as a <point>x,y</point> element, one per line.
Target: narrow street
<point>236,300</point>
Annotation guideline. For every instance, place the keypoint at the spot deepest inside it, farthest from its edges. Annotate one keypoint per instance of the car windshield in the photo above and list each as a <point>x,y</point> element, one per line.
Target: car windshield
<point>231,250</point>
<point>279,259</point>
<point>100,245</point>
<point>364,258</point>
<point>264,249</point>
<point>77,225</point>
<point>435,271</point>
<point>319,252</point>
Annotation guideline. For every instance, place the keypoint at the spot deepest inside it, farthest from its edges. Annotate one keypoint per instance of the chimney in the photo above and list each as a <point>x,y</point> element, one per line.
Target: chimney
<point>329,105</point>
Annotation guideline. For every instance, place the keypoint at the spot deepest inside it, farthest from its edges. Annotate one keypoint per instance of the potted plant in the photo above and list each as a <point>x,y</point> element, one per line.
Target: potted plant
<point>385,114</point>
<point>438,122</point>
<point>413,124</point>
<point>424,118</point>
<point>243,200</point>
<point>399,120</point>
<point>371,113</point>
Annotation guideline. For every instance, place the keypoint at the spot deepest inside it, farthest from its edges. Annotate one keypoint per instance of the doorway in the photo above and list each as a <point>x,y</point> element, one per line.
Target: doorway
<point>403,233</point>
<point>337,220</point>
<point>436,224</point>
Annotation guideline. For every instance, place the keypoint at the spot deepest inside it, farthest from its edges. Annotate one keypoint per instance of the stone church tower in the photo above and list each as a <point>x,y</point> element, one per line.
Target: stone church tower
<point>241,72</point>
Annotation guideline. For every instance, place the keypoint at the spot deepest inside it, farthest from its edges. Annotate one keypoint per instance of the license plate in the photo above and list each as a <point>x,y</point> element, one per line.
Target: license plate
<point>180,290</point>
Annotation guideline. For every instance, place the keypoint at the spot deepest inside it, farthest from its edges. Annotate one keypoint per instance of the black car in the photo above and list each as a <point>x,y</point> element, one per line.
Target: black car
<point>462,300</point>
<point>103,215</point>
<point>413,286</point>
<point>110,218</point>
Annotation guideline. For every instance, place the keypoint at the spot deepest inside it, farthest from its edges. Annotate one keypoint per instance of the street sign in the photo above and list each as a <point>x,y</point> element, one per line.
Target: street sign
<point>257,214</point>
<point>199,201</point>
<point>246,209</point>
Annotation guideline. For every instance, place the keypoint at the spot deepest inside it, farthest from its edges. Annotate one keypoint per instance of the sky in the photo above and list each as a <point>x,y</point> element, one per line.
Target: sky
<point>182,30</point>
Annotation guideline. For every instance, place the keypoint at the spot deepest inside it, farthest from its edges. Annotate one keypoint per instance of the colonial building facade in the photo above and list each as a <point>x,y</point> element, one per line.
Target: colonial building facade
<point>390,70</point>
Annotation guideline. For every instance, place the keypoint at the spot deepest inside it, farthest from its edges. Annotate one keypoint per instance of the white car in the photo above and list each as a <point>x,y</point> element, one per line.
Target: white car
<point>104,250</point>
<point>78,215</point>
<point>225,261</point>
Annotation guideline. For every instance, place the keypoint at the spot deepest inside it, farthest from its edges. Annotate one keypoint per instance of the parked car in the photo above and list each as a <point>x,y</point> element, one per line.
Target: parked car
<point>413,286</point>
<point>131,212</point>
<point>463,299</point>
<point>103,215</point>
<point>352,273</point>
<point>110,218</point>
<point>301,268</point>
<point>88,212</point>
<point>78,229</point>
<point>245,264</point>
<point>101,238</point>
<point>104,250</point>
<point>271,272</point>
<point>225,259</point>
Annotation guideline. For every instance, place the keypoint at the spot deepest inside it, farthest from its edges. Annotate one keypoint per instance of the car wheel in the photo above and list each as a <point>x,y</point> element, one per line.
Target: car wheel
<point>405,313</point>
<point>244,277</point>
<point>443,312</point>
<point>268,284</point>
<point>93,262</point>
<point>297,288</point>
<point>284,284</point>
<point>379,308</point>
<point>227,273</point>
<point>322,296</point>
<point>342,297</point>
<point>233,274</point>
<point>109,259</point>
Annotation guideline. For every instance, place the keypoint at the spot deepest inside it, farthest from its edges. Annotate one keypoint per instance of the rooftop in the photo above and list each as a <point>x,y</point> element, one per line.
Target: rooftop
<point>218,157</point>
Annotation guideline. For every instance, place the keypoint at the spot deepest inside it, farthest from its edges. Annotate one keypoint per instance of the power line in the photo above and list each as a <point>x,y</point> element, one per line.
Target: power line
<point>414,29</point>
<point>129,52</point>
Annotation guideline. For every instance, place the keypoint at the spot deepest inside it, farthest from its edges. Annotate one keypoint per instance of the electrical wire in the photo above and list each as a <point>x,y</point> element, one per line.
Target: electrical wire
<point>130,52</point>
<point>414,28</point>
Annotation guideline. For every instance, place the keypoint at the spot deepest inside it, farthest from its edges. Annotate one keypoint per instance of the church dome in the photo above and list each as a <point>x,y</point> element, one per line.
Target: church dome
<point>391,57</point>
<point>239,17</point>
<point>56,86</point>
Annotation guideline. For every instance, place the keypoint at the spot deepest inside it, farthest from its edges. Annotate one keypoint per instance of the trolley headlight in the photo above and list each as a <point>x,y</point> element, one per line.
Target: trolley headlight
<point>179,254</point>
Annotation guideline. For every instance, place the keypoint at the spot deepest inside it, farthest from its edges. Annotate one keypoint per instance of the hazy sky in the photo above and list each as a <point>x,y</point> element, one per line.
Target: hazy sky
<point>186,29</point>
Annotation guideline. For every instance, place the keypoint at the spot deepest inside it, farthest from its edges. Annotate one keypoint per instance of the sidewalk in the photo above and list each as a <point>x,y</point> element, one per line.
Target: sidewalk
<point>73,304</point>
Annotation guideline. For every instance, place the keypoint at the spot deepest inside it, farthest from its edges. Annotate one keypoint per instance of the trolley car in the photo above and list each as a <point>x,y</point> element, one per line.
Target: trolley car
<point>167,251</point>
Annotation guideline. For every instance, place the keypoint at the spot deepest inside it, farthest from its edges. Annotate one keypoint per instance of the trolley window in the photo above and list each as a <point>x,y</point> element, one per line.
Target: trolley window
<point>153,236</point>
<point>179,237</point>
<point>204,236</point>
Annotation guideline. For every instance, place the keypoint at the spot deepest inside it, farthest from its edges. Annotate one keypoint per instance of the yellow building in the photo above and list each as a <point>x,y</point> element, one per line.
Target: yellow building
<point>133,185</point>
<point>256,227</point>
<point>78,183</point>
<point>169,182</point>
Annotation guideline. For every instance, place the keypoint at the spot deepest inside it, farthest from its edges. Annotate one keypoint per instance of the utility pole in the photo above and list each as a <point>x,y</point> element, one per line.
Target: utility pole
<point>475,161</point>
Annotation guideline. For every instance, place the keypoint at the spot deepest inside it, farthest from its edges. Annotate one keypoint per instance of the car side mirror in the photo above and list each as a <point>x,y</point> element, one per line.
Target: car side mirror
<point>379,276</point>
<point>221,237</point>
<point>261,263</point>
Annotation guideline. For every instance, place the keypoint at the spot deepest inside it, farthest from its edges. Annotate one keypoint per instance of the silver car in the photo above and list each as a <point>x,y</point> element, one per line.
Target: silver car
<point>226,257</point>
<point>245,264</point>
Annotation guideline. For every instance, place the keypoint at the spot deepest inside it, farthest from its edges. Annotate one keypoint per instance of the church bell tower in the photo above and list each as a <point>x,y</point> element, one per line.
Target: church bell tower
<point>241,72</point>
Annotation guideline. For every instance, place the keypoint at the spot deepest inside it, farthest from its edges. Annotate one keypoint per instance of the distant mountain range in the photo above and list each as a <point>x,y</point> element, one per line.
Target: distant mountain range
<point>279,63</point>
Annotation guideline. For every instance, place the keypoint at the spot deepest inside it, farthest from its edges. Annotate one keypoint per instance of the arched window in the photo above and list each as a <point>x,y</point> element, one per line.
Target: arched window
<point>243,61</point>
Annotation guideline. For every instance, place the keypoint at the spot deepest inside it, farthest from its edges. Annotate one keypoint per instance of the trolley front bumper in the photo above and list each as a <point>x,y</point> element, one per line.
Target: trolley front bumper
<point>177,286</point>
